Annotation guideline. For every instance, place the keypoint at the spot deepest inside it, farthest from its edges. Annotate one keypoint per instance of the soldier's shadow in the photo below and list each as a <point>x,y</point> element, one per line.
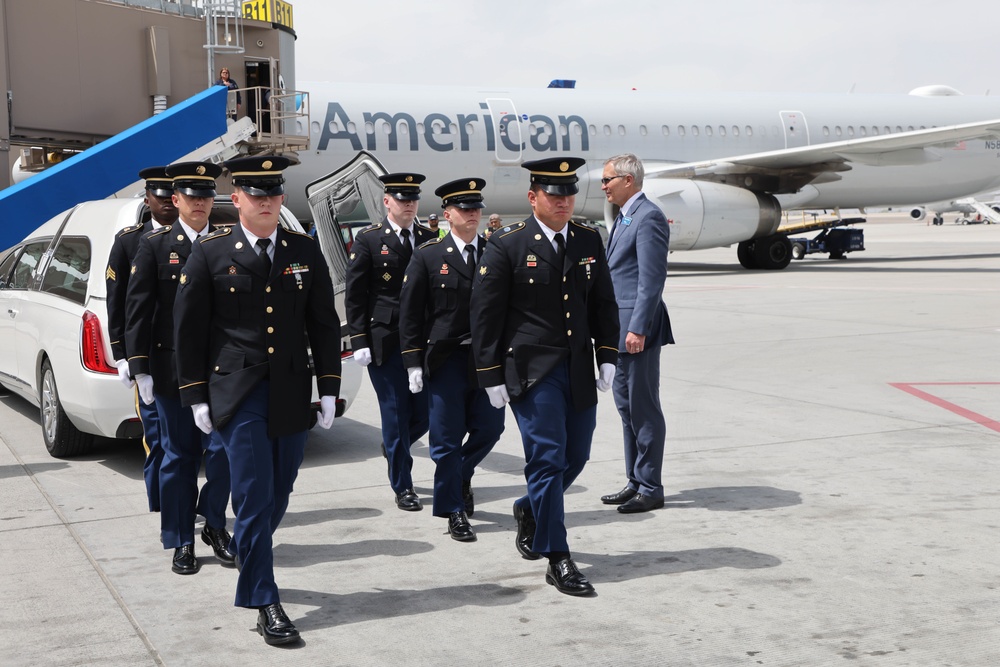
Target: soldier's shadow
<point>734,498</point>
<point>330,609</point>
<point>305,555</point>
<point>636,564</point>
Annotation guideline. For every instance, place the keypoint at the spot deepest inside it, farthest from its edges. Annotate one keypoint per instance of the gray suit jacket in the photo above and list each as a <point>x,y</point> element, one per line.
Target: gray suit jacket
<point>637,258</point>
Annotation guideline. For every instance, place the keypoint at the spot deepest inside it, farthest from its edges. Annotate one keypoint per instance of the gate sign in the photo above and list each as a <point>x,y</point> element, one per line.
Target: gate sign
<point>269,11</point>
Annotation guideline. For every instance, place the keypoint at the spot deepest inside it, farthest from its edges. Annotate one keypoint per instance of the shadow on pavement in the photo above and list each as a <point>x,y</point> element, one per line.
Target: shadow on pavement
<point>304,555</point>
<point>635,564</point>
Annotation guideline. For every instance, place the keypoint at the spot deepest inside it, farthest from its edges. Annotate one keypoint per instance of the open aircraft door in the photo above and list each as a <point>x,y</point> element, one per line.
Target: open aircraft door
<point>506,129</point>
<point>352,192</point>
<point>796,130</point>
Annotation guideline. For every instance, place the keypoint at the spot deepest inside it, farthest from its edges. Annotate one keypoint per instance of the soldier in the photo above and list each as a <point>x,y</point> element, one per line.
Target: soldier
<point>435,335</point>
<point>375,271</point>
<point>149,337</point>
<point>542,303</point>
<point>254,298</point>
<point>159,193</point>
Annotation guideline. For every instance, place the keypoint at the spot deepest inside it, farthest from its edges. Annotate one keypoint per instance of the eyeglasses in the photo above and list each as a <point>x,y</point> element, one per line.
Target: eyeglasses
<point>605,181</point>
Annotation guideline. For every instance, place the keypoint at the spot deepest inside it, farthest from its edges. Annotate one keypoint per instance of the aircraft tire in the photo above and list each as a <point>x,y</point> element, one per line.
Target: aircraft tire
<point>744,253</point>
<point>772,253</point>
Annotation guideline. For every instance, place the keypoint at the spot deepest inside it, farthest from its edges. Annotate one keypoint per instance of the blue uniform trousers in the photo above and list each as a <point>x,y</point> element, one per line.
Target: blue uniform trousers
<point>184,446</point>
<point>154,450</point>
<point>404,417</point>
<point>458,408</point>
<point>556,443</point>
<point>263,472</point>
<point>637,395</point>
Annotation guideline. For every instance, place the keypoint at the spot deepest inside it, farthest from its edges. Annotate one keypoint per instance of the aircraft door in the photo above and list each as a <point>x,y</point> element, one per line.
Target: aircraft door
<point>506,129</point>
<point>795,128</point>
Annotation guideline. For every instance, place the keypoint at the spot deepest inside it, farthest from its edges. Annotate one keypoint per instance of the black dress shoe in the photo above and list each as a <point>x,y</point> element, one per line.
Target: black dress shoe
<point>468,498</point>
<point>220,541</point>
<point>407,500</point>
<point>184,560</point>
<point>640,503</point>
<point>525,533</point>
<point>567,579</point>
<point>622,496</point>
<point>458,526</point>
<point>274,626</point>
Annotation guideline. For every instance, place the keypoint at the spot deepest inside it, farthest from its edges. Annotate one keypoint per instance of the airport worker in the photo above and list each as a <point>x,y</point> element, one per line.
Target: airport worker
<point>637,258</point>
<point>432,224</point>
<point>158,198</point>
<point>435,337</point>
<point>543,308</point>
<point>254,299</point>
<point>375,272</point>
<point>493,225</point>
<point>149,338</point>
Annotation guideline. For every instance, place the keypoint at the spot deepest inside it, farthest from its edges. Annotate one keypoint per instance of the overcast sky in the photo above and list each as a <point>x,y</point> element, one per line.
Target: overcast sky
<point>872,46</point>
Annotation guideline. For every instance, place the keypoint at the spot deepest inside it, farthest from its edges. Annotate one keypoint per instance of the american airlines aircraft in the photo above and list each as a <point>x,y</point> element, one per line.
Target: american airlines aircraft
<point>721,166</point>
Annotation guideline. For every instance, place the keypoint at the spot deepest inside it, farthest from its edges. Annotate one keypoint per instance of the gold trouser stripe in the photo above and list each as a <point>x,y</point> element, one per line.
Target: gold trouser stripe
<point>145,445</point>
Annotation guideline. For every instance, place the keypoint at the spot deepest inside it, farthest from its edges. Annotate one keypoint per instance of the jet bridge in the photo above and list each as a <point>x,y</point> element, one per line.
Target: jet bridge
<point>111,165</point>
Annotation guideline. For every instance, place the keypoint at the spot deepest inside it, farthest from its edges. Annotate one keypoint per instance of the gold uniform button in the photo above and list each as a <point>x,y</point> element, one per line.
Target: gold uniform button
<point>569,332</point>
<point>567,316</point>
<point>216,369</point>
<point>270,310</point>
<point>564,278</point>
<point>270,350</point>
<point>232,289</point>
<point>268,289</point>
<point>531,281</point>
<point>565,297</point>
<point>270,330</point>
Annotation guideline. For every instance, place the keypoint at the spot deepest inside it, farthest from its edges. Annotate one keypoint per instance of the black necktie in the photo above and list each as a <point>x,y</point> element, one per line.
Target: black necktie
<point>560,247</point>
<point>263,244</point>
<point>407,248</point>
<point>470,257</point>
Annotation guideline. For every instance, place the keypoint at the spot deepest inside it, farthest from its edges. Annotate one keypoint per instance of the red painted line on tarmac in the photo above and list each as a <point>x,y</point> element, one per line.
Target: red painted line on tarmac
<point>982,420</point>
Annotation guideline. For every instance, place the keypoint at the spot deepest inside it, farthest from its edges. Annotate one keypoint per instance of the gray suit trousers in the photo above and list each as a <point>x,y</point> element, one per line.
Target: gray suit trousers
<point>637,397</point>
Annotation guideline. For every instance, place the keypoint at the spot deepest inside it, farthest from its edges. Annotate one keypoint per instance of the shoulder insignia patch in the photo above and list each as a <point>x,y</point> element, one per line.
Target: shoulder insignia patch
<point>219,233</point>
<point>298,233</point>
<point>510,229</point>
<point>370,228</point>
<point>431,242</point>
<point>129,230</point>
<point>159,232</point>
<point>579,225</point>
<point>110,274</point>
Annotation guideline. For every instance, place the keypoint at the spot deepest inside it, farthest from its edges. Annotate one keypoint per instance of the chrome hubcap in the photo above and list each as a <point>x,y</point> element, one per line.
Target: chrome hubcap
<point>50,402</point>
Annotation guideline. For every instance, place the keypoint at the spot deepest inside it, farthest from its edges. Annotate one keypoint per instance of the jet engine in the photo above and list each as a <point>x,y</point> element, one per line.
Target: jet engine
<point>918,213</point>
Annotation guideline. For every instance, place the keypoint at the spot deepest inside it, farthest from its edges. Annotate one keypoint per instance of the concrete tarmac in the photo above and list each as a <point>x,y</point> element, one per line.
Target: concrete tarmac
<point>833,497</point>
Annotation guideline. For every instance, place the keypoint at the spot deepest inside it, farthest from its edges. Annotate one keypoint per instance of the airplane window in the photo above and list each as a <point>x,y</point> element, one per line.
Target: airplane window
<point>454,128</point>
<point>469,128</point>
<point>695,131</point>
<point>722,130</point>
<point>874,130</point>
<point>708,130</point>
<point>666,130</point>
<point>642,130</point>
<point>593,130</point>
<point>680,131</point>
<point>607,130</point>
<point>621,130</point>
<point>404,128</point>
<point>864,131</point>
<point>749,131</point>
<point>899,128</point>
<point>736,130</point>
<point>826,130</point>
<point>352,128</point>
<point>386,127</point>
<point>850,130</point>
<point>369,127</point>
<point>314,127</point>
<point>838,131</point>
<point>887,130</point>
<point>563,131</point>
<point>909,128</point>
<point>334,127</point>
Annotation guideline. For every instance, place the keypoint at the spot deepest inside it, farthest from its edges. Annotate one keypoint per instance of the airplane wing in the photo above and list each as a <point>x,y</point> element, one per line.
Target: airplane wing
<point>787,171</point>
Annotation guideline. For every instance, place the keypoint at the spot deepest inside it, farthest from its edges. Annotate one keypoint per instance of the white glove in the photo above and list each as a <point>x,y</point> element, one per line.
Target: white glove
<point>145,383</point>
<point>123,374</point>
<point>202,417</point>
<point>607,375</point>
<point>416,380</point>
<point>327,410</point>
<point>363,356</point>
<point>498,396</point>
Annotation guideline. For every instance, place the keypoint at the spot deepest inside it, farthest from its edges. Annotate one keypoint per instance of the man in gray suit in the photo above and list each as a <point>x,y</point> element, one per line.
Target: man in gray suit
<point>637,258</point>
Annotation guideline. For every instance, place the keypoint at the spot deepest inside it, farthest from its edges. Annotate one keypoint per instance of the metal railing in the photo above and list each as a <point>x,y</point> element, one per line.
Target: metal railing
<point>281,117</point>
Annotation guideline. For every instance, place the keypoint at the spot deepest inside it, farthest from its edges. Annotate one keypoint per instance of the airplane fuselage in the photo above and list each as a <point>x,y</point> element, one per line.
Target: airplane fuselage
<point>448,133</point>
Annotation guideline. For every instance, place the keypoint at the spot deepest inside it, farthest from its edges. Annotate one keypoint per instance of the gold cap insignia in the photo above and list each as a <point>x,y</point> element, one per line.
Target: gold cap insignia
<point>266,164</point>
<point>563,166</point>
<point>200,170</point>
<point>184,278</point>
<point>472,185</point>
<point>409,179</point>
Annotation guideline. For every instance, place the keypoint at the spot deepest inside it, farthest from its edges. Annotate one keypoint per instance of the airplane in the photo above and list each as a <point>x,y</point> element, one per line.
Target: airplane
<point>985,207</point>
<point>722,167</point>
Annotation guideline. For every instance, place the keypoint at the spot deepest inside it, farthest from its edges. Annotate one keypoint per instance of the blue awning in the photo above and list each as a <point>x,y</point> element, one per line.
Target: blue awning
<point>111,165</point>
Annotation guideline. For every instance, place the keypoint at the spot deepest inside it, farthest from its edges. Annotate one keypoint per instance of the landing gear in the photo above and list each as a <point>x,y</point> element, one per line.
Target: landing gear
<point>771,253</point>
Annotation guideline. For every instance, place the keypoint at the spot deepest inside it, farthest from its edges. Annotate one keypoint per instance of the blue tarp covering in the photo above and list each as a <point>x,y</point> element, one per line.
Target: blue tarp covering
<point>106,168</point>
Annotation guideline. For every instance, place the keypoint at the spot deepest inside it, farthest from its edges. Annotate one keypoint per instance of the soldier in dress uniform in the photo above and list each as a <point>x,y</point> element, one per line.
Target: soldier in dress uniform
<point>159,200</point>
<point>543,307</point>
<point>253,300</point>
<point>149,338</point>
<point>435,336</point>
<point>375,271</point>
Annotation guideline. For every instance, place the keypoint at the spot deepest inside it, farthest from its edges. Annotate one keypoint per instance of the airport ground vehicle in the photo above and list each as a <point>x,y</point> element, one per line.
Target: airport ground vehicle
<point>54,347</point>
<point>837,242</point>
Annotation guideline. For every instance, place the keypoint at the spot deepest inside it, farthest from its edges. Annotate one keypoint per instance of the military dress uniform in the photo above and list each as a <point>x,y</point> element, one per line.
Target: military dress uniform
<point>149,336</point>
<point>116,278</point>
<point>247,323</point>
<point>375,272</point>
<point>435,336</point>
<point>536,321</point>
